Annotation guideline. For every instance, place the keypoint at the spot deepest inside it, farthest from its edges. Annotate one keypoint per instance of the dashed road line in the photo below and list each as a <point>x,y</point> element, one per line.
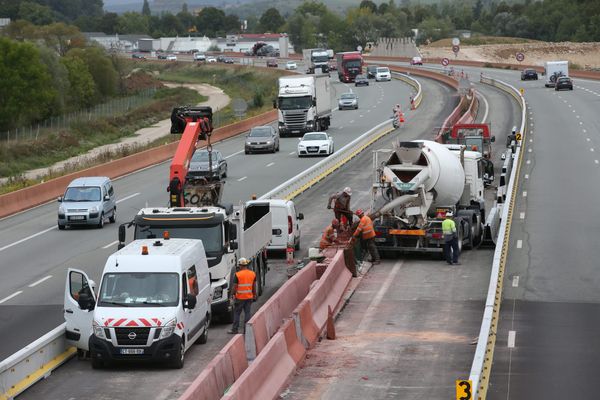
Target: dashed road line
<point>524,193</point>
<point>27,238</point>
<point>15,294</point>
<point>519,244</point>
<point>34,284</point>
<point>522,215</point>
<point>292,153</point>
<point>511,339</point>
<point>235,154</point>
<point>242,178</point>
<point>110,244</point>
<point>515,281</point>
<point>131,196</point>
<point>270,164</point>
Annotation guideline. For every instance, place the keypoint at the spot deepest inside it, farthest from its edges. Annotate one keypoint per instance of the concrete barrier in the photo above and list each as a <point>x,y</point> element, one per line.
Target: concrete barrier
<point>268,319</point>
<point>24,199</point>
<point>220,373</point>
<point>305,324</point>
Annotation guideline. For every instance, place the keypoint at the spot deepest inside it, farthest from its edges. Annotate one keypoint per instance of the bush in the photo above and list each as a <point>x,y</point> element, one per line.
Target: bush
<point>258,99</point>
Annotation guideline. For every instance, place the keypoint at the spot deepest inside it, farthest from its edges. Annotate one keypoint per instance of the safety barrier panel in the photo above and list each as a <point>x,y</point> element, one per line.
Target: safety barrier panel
<point>33,362</point>
<point>23,199</point>
<point>220,373</point>
<point>469,116</point>
<point>416,101</point>
<point>268,319</point>
<point>484,354</point>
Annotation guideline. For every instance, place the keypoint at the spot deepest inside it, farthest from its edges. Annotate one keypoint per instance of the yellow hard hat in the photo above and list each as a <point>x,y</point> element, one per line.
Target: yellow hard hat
<point>243,261</point>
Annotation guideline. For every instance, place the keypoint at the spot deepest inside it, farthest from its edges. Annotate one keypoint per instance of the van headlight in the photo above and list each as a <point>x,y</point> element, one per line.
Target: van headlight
<point>98,331</point>
<point>94,209</point>
<point>218,292</point>
<point>168,329</point>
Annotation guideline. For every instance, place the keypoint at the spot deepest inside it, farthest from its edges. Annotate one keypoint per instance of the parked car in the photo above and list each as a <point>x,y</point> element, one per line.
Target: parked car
<point>528,74</point>
<point>211,60</point>
<point>220,58</point>
<point>383,74</point>
<point>200,166</point>
<point>416,61</point>
<point>229,60</point>
<point>563,82</point>
<point>171,57</point>
<point>162,56</point>
<point>262,138</point>
<point>291,65</point>
<point>371,71</point>
<point>272,63</point>
<point>361,80</point>
<point>138,56</point>
<point>87,201</point>
<point>348,100</point>
<point>315,144</point>
<point>199,57</point>
<point>285,224</point>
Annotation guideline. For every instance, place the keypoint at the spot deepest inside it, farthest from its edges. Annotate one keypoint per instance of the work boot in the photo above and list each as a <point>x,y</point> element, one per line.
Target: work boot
<point>232,332</point>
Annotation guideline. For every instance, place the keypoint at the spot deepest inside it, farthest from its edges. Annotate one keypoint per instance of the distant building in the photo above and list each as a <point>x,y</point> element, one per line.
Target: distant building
<point>4,22</point>
<point>116,42</point>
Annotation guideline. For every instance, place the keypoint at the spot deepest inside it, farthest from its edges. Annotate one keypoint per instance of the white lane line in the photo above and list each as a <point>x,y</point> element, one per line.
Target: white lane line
<point>588,139</point>
<point>15,294</point>
<point>352,121</point>
<point>368,111</point>
<point>128,197</point>
<point>292,153</point>
<point>519,244</point>
<point>515,282</point>
<point>270,164</point>
<point>524,193</point>
<point>529,150</point>
<point>487,108</point>
<point>526,176</point>
<point>360,116</point>
<point>242,178</point>
<point>596,161</point>
<point>584,130</point>
<point>27,238</point>
<point>235,154</point>
<point>34,284</point>
<point>528,161</point>
<point>577,116</point>
<point>522,215</point>
<point>511,339</point>
<point>530,140</point>
<point>592,149</point>
<point>341,127</point>
<point>110,244</point>
<point>573,110</point>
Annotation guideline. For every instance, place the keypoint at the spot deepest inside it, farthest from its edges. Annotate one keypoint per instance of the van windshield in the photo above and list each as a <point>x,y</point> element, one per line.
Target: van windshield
<point>88,193</point>
<point>211,235</point>
<point>139,289</point>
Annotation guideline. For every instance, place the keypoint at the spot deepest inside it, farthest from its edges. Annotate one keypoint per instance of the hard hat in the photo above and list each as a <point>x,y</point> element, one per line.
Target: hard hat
<point>348,190</point>
<point>243,261</point>
<point>335,222</point>
<point>359,212</point>
<point>449,214</point>
<point>397,105</point>
<point>474,148</point>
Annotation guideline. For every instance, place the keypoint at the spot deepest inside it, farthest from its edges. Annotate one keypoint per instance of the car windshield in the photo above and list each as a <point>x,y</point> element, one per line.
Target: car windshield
<point>291,63</point>
<point>563,79</point>
<point>91,193</point>
<point>211,235</point>
<point>314,136</point>
<point>372,68</point>
<point>139,289</point>
<point>383,69</point>
<point>323,58</point>
<point>349,96</point>
<point>358,77</point>
<point>295,103</point>
<point>202,156</point>
<point>260,132</point>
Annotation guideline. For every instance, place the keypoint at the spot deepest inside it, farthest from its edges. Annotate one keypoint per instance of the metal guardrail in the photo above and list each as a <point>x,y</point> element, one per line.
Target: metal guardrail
<point>33,362</point>
<point>484,354</point>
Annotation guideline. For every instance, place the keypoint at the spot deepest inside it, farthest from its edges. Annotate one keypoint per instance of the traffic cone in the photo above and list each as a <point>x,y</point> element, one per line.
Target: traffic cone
<point>412,103</point>
<point>290,255</point>
<point>330,324</point>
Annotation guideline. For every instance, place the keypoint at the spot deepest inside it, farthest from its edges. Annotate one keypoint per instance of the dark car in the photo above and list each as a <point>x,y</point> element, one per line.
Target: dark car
<point>138,56</point>
<point>564,82</point>
<point>272,63</point>
<point>162,56</point>
<point>200,165</point>
<point>528,74</point>
<point>220,58</point>
<point>361,80</point>
<point>228,60</point>
<point>372,71</point>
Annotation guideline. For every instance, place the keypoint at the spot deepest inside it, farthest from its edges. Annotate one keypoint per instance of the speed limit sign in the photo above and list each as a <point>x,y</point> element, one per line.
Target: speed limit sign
<point>445,62</point>
<point>455,48</point>
<point>520,57</point>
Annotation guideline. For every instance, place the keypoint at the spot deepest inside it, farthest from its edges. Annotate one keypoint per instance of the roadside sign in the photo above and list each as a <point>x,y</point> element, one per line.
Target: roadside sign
<point>520,57</point>
<point>455,41</point>
<point>445,62</point>
<point>455,49</point>
<point>239,106</point>
<point>358,48</point>
<point>464,389</point>
<point>522,91</point>
<point>518,137</point>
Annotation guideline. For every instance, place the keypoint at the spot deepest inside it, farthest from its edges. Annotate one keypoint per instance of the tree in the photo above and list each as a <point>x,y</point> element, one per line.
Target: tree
<point>25,81</point>
<point>62,37</point>
<point>82,87</point>
<point>21,30</point>
<point>108,23</point>
<point>146,9</point>
<point>132,22</point>
<point>210,21</point>
<point>171,26</point>
<point>36,13</point>
<point>59,78</point>
<point>101,69</point>
<point>271,20</point>
<point>368,4</point>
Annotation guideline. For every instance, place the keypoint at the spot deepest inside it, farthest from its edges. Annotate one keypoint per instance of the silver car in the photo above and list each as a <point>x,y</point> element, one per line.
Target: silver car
<point>262,138</point>
<point>200,165</point>
<point>87,201</point>
<point>348,100</point>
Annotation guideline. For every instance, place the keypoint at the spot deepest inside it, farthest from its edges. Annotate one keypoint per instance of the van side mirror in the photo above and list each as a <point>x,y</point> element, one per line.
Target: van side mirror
<point>190,301</point>
<point>59,199</point>
<point>86,301</point>
<point>107,198</point>
<point>122,233</point>
<point>232,232</point>
<point>493,139</point>
<point>301,216</point>
<point>233,245</point>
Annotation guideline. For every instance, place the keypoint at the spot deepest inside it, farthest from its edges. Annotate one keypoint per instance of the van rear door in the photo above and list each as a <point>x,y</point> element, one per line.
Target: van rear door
<point>78,294</point>
<point>281,237</point>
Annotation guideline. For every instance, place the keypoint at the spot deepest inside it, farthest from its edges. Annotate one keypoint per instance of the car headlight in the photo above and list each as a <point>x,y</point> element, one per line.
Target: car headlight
<point>301,146</point>
<point>98,330</point>
<point>61,209</point>
<point>325,145</point>
<point>94,209</point>
<point>269,142</point>
<point>168,329</point>
<point>218,292</point>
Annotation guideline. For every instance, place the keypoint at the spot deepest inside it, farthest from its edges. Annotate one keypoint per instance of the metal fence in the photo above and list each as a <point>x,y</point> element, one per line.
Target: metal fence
<point>112,108</point>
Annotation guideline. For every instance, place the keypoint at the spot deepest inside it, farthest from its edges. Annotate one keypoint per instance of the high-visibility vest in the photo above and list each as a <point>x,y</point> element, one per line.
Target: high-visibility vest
<point>365,226</point>
<point>448,226</point>
<point>245,282</point>
<point>327,237</point>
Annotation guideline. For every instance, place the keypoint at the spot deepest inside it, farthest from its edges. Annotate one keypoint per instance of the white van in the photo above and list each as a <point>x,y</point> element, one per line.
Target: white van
<point>153,303</point>
<point>285,222</point>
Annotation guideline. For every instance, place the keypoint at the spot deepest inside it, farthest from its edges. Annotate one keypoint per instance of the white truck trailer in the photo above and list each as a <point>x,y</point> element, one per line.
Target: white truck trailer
<point>316,60</point>
<point>554,69</point>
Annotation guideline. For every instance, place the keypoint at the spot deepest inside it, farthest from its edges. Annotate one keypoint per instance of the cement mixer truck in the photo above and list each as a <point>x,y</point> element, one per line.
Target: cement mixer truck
<point>416,183</point>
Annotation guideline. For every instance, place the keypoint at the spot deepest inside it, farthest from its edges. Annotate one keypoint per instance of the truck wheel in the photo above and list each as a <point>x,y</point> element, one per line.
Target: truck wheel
<point>61,227</point>
<point>179,356</point>
<point>113,217</point>
<point>101,222</point>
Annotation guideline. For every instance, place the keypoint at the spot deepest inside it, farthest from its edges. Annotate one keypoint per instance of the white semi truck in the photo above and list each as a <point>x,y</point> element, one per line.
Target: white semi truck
<point>316,60</point>
<point>304,104</point>
<point>415,184</point>
<point>554,69</point>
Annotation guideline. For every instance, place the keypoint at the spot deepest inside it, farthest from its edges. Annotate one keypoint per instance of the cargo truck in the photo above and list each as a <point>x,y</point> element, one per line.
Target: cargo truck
<point>316,60</point>
<point>304,104</point>
<point>553,70</point>
<point>349,64</point>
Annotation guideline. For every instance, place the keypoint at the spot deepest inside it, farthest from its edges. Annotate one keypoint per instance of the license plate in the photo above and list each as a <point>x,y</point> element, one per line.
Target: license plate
<point>380,240</point>
<point>295,131</point>
<point>132,351</point>
<point>77,217</point>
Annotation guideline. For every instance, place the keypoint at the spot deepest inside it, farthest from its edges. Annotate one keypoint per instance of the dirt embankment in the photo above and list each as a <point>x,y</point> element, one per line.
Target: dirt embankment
<point>580,55</point>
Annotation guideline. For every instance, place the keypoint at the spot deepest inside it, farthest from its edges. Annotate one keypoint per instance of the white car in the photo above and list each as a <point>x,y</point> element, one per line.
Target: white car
<point>383,74</point>
<point>171,57</point>
<point>291,65</point>
<point>199,57</point>
<point>416,61</point>
<point>315,144</point>
<point>211,60</point>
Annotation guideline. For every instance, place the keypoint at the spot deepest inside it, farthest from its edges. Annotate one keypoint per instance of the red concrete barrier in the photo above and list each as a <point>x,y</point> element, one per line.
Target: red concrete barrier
<point>268,319</point>
<point>23,199</point>
<point>306,325</point>
<point>220,373</point>
<point>448,80</point>
<point>469,116</point>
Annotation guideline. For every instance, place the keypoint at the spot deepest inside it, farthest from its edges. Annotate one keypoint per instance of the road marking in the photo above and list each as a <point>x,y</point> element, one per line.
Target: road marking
<point>529,150</point>
<point>588,139</point>
<point>592,149</point>
<point>292,153</point>
<point>15,294</point>
<point>368,111</point>
<point>528,161</point>
<point>341,127</point>
<point>577,116</point>
<point>573,110</point>
<point>128,197</point>
<point>360,116</point>
<point>242,178</point>
<point>584,130</point>
<point>524,193</point>
<point>530,140</point>
<point>235,154</point>
<point>34,284</point>
<point>27,238</point>
<point>352,121</point>
<point>110,244</point>
<point>487,107</point>
<point>511,339</point>
<point>519,244</point>
<point>526,176</point>
<point>569,105</point>
<point>522,215</point>
<point>270,164</point>
<point>580,123</point>
<point>515,281</point>
<point>596,161</point>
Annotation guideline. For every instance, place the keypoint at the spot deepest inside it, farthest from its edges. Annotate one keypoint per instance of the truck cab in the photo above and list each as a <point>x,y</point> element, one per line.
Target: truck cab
<point>153,303</point>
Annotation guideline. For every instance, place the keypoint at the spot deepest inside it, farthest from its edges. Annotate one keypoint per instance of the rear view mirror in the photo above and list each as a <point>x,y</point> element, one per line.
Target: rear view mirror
<point>122,232</point>
<point>493,139</point>
<point>107,198</point>
<point>232,232</point>
<point>190,301</point>
<point>300,216</point>
<point>59,199</point>
<point>85,300</point>
<point>233,245</point>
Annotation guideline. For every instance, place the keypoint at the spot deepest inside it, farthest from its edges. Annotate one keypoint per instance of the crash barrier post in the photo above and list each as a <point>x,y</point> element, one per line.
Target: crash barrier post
<point>33,362</point>
<point>268,319</point>
<point>484,353</point>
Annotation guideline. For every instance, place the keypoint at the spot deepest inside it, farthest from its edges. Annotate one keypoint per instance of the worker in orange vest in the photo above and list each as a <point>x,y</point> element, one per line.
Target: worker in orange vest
<point>330,234</point>
<point>366,232</point>
<point>244,293</point>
